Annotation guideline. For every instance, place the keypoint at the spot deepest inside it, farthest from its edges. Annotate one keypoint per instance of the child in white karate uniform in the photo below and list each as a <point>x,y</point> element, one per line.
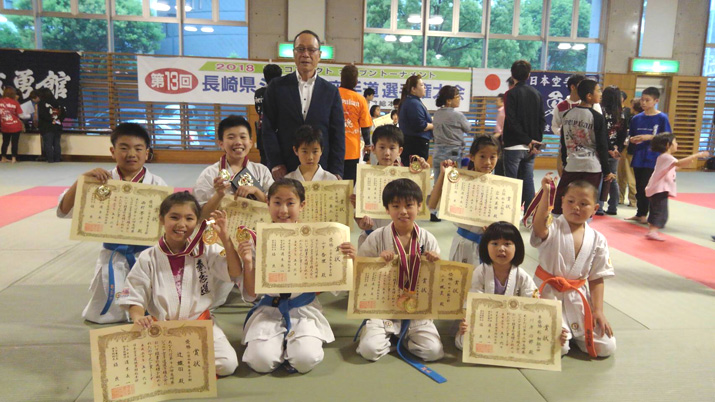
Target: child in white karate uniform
<point>234,137</point>
<point>573,262</point>
<point>402,199</point>
<point>176,279</point>
<point>308,147</point>
<point>131,147</point>
<point>484,154</point>
<point>294,338</point>
<point>387,146</point>
<point>502,251</point>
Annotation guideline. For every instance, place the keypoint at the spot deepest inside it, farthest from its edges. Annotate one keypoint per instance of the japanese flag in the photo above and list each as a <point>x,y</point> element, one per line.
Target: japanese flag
<point>489,81</point>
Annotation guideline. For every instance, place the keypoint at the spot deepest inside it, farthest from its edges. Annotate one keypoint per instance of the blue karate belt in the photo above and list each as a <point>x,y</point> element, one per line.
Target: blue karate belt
<point>475,237</point>
<point>367,232</point>
<point>404,353</point>
<point>284,305</point>
<point>128,252</point>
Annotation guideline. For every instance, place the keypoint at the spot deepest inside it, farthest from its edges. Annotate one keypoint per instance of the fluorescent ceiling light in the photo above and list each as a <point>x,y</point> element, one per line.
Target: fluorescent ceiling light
<point>161,7</point>
<point>435,20</point>
<point>405,39</point>
<point>564,46</point>
<point>390,38</point>
<point>414,19</point>
<point>207,29</point>
<point>190,28</point>
<point>578,46</point>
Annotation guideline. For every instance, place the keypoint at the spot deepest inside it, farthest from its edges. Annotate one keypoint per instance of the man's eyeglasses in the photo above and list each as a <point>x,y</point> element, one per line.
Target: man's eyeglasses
<point>309,50</point>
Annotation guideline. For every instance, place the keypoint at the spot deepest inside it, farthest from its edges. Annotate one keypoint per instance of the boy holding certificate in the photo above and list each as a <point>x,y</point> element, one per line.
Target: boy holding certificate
<point>308,147</point>
<point>131,147</point>
<point>387,141</point>
<point>233,173</point>
<point>573,262</point>
<point>406,242</point>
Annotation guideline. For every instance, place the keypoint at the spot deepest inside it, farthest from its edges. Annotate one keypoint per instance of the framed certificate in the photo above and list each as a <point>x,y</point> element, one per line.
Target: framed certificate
<point>328,201</point>
<point>117,212</point>
<point>479,199</point>
<point>441,292</point>
<point>371,180</point>
<point>302,257</point>
<point>513,331</point>
<point>170,360</point>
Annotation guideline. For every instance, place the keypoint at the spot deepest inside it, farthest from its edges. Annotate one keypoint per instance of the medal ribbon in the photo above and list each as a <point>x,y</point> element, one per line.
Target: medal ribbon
<point>408,273</point>
<point>531,210</point>
<point>188,249</point>
<point>223,164</point>
<point>138,178</point>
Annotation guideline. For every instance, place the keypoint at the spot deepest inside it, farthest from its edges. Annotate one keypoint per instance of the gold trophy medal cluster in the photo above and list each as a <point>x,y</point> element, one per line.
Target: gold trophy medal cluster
<point>415,164</point>
<point>225,175</point>
<point>407,301</point>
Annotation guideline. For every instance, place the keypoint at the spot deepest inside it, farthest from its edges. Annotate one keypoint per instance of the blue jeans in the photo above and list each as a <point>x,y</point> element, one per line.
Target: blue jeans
<point>613,191</point>
<point>520,165</point>
<point>51,145</point>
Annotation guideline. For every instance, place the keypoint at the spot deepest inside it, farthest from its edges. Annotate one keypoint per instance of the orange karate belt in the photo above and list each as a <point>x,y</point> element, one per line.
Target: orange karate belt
<point>206,315</point>
<point>563,285</point>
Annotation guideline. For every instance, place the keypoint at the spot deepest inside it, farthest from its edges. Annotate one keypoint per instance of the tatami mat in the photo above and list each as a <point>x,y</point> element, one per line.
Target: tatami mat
<point>663,322</point>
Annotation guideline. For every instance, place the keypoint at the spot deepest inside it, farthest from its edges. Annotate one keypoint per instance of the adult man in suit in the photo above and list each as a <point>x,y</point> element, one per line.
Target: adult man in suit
<point>303,98</point>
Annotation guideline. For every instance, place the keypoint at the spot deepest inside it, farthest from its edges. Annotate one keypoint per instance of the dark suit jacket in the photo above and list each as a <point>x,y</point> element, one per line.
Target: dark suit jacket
<point>282,116</point>
<point>524,116</point>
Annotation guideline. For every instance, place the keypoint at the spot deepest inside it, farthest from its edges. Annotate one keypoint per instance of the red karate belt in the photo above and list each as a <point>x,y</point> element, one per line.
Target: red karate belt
<point>561,284</point>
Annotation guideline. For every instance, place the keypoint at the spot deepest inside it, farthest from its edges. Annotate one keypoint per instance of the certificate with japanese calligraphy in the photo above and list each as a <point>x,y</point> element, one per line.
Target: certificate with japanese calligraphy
<point>170,360</point>
<point>117,212</point>
<point>479,199</point>
<point>442,289</point>
<point>372,179</point>
<point>244,212</point>
<point>328,201</point>
<point>302,257</point>
<point>513,331</point>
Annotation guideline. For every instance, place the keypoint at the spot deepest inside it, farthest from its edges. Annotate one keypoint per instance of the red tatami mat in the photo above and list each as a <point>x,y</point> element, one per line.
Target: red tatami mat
<point>706,200</point>
<point>678,256</point>
<point>18,206</point>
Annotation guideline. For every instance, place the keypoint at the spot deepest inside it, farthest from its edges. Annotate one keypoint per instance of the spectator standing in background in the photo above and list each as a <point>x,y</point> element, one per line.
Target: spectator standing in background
<point>415,120</point>
<point>50,116</point>
<point>270,71</point>
<point>357,120</point>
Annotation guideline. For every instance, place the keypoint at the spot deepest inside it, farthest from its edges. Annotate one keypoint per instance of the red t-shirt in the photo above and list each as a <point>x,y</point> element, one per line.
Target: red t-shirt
<point>9,116</point>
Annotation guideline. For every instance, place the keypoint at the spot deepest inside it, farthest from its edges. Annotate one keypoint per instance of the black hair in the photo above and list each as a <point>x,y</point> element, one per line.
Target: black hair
<point>636,105</point>
<point>182,197</point>
<point>510,81</point>
<point>130,130</point>
<point>412,82</point>
<point>574,80</point>
<point>624,96</point>
<point>445,93</point>
<point>349,76</point>
<point>396,102</point>
<point>612,105</point>
<point>484,140</point>
<point>652,92</point>
<point>392,113</point>
<point>307,134</point>
<point>401,190</point>
<point>33,94</point>
<point>307,31</point>
<point>583,184</point>
<point>232,121</point>
<point>506,231</point>
<point>368,91</point>
<point>585,88</point>
<point>372,110</point>
<point>500,96</point>
<point>388,132</point>
<point>520,70</point>
<point>45,94</point>
<point>294,185</point>
<point>661,142</point>
<point>271,71</point>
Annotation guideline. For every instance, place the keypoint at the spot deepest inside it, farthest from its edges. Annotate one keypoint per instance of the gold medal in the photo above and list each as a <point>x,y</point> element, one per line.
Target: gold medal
<point>102,192</point>
<point>225,175</point>
<point>242,235</point>
<point>401,301</point>
<point>245,180</point>
<point>411,303</point>
<point>210,236</point>
<point>415,165</point>
<point>222,253</point>
<point>453,176</point>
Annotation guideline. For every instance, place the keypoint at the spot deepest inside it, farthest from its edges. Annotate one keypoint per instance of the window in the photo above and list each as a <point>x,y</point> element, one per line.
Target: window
<point>17,32</point>
<point>485,33</point>
<point>707,130</point>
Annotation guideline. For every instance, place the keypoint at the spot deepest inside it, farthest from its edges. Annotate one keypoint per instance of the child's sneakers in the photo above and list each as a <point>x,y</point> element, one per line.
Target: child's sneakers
<point>654,236</point>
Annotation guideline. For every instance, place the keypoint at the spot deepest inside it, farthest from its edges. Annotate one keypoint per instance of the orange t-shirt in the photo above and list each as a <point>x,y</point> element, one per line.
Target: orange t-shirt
<point>357,116</point>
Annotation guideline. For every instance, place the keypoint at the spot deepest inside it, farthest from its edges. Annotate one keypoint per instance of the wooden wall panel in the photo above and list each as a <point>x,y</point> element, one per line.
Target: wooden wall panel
<point>685,112</point>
